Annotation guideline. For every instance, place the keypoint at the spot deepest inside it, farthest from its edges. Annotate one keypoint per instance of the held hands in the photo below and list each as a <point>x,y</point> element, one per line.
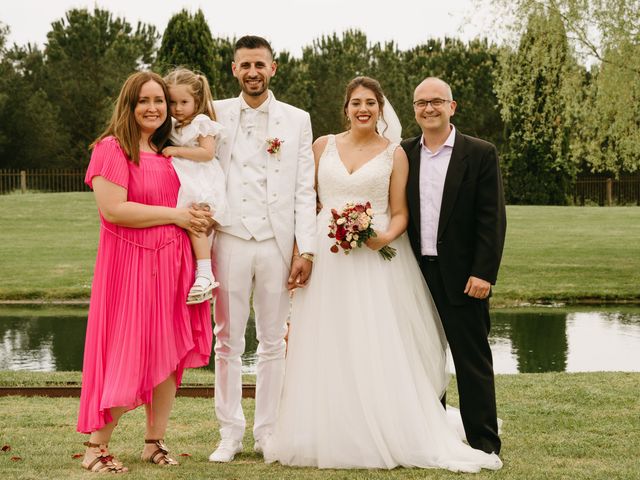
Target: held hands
<point>300,272</point>
<point>212,224</point>
<point>477,288</point>
<point>194,220</point>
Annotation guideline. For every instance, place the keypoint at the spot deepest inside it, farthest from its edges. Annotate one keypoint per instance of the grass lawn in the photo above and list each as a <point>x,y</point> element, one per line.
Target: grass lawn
<point>13,378</point>
<point>570,254</point>
<point>567,254</point>
<point>47,245</point>
<point>557,426</point>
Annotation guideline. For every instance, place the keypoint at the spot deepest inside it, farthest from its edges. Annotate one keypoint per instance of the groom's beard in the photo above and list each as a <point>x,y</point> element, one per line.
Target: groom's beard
<point>254,93</point>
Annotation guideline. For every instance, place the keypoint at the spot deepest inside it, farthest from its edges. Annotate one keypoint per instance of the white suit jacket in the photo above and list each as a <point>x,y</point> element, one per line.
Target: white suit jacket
<point>291,198</point>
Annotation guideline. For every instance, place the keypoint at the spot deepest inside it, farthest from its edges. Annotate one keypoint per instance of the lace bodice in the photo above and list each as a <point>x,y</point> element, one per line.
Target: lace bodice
<point>370,182</point>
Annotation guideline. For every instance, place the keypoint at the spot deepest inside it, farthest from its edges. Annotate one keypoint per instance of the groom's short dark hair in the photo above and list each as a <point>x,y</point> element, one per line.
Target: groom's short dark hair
<point>251,42</point>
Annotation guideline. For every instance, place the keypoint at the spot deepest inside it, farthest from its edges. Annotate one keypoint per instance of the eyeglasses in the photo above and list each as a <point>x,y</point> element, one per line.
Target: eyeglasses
<point>435,103</point>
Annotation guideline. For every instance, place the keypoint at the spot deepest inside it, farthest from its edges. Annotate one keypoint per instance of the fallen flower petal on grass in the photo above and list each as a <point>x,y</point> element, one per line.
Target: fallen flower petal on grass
<point>16,459</point>
<point>77,455</point>
<point>185,455</point>
<point>6,448</point>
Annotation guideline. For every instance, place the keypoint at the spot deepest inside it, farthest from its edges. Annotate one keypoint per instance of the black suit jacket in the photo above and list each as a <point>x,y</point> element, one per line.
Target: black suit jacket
<point>472,223</point>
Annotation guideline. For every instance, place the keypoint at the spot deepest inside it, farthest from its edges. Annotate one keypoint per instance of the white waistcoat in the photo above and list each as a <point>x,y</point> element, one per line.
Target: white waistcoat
<point>247,192</point>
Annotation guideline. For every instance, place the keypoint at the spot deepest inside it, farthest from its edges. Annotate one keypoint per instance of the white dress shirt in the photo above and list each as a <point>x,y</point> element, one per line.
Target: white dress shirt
<point>254,121</point>
<point>433,170</point>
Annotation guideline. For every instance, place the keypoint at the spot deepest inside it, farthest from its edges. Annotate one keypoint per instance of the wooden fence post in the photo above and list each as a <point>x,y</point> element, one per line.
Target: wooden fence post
<point>609,192</point>
<point>23,181</point>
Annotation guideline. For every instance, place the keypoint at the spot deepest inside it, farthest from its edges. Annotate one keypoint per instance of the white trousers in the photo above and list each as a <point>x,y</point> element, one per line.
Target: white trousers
<point>242,267</point>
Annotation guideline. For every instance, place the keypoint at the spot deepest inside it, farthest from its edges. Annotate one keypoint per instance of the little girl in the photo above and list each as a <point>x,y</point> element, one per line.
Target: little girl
<point>201,177</point>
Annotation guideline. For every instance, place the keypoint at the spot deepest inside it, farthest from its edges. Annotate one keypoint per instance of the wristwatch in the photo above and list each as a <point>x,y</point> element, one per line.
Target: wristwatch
<point>307,256</point>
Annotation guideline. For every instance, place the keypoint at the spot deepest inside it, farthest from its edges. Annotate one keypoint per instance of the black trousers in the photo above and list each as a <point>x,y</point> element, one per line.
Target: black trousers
<point>467,330</point>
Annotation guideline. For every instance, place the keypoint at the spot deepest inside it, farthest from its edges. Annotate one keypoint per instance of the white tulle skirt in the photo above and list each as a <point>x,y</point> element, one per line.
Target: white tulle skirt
<point>365,370</point>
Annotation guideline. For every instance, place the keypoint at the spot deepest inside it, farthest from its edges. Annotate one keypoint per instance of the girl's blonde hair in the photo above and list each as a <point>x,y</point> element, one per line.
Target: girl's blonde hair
<point>199,89</point>
<point>123,125</point>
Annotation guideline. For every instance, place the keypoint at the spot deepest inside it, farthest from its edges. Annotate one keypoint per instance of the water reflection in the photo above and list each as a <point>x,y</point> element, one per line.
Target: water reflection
<point>559,340</point>
<point>41,339</point>
<point>533,340</point>
<point>41,343</point>
<point>537,340</point>
<point>597,344</point>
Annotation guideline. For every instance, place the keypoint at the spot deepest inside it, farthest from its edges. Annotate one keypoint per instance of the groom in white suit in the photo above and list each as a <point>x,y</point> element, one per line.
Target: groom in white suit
<point>268,245</point>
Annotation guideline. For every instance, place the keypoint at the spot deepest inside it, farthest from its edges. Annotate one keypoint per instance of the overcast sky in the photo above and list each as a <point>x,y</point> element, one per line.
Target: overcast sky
<point>288,24</point>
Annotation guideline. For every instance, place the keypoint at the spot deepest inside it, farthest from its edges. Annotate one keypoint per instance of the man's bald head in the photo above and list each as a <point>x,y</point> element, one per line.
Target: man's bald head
<point>434,82</point>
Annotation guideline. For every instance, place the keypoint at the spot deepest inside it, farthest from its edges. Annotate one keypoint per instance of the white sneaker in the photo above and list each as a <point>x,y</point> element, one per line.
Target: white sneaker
<point>494,462</point>
<point>257,447</point>
<point>226,450</point>
<point>261,443</point>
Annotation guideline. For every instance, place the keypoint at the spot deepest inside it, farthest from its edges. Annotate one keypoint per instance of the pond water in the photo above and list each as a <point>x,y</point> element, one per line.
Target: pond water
<point>522,340</point>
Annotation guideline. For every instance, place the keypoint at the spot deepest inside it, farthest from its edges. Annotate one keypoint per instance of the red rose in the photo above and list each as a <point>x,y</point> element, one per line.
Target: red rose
<point>334,249</point>
<point>335,214</point>
<point>359,208</point>
<point>340,233</point>
<point>331,235</point>
<point>345,245</point>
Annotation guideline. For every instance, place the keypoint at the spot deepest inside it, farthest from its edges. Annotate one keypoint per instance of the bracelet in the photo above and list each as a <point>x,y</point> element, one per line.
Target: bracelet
<point>307,256</point>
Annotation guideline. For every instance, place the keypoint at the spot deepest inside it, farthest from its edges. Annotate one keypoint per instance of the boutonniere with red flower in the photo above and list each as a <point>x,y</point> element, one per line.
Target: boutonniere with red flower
<point>274,145</point>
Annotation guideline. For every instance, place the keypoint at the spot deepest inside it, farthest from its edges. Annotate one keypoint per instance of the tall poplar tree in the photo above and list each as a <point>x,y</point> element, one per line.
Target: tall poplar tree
<point>605,35</point>
<point>187,42</point>
<point>534,93</point>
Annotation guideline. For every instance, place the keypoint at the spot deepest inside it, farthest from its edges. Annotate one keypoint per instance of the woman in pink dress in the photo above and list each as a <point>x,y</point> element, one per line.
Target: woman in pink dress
<point>141,335</point>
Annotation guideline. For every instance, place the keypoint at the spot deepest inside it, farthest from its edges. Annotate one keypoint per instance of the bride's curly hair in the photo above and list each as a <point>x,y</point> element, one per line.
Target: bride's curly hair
<point>365,82</point>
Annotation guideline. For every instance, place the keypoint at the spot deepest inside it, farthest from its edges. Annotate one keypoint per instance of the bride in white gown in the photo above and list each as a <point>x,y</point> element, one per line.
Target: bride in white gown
<point>365,366</point>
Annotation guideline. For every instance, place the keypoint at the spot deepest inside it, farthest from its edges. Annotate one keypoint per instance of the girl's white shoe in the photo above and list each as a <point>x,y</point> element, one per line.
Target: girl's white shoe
<point>201,291</point>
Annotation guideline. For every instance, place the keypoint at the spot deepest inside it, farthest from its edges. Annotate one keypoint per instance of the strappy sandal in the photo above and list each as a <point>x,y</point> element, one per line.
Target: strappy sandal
<point>103,463</point>
<point>199,293</point>
<point>161,455</point>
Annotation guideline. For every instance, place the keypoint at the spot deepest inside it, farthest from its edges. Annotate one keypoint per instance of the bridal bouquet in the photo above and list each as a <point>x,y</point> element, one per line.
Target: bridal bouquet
<point>352,227</point>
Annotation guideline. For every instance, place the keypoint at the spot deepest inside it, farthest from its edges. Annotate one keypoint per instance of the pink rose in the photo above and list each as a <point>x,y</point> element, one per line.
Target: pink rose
<point>363,221</point>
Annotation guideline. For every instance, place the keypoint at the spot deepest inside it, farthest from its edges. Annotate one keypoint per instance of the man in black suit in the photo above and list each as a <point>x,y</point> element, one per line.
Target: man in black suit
<point>457,227</point>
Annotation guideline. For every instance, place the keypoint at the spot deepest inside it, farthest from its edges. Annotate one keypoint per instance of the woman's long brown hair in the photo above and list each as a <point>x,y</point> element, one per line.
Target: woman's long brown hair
<point>123,125</point>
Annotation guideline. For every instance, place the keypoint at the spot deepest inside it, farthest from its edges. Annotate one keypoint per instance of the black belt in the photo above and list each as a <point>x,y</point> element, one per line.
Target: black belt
<point>430,258</point>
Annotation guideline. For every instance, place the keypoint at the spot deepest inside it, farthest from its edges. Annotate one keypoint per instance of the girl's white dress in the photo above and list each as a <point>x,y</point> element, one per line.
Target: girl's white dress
<point>366,362</point>
<point>200,182</point>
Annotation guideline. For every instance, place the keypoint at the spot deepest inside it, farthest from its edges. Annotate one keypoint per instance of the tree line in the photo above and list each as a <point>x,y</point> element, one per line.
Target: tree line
<point>551,117</point>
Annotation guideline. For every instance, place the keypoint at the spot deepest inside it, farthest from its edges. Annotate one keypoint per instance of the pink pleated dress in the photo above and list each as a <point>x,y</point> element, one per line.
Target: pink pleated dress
<point>140,328</point>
